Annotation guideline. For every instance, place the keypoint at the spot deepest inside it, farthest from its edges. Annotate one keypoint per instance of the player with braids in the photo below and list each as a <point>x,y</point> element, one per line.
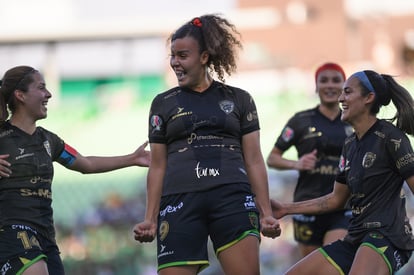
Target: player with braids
<point>27,152</point>
<point>375,162</point>
<point>207,176</point>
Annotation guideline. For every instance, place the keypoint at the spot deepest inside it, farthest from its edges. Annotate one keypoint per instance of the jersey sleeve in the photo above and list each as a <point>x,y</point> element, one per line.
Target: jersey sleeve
<point>249,120</point>
<point>401,152</point>
<point>288,135</point>
<point>67,156</point>
<point>54,144</point>
<point>157,122</point>
<point>58,149</point>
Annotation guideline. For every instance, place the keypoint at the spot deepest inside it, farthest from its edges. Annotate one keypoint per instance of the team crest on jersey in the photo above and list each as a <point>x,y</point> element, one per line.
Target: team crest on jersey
<point>163,230</point>
<point>46,144</point>
<point>287,134</point>
<point>156,122</point>
<point>368,159</point>
<point>226,106</point>
<point>254,220</point>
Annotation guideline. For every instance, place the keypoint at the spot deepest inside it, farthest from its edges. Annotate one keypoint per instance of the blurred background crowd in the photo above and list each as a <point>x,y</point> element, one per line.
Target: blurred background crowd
<point>105,62</point>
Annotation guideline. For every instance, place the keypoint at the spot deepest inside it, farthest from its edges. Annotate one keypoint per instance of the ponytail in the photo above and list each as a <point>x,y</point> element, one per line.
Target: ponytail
<point>386,89</point>
<point>404,104</point>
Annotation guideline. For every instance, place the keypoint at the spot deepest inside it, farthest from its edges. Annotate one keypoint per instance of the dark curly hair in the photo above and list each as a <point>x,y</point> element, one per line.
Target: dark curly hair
<point>218,37</point>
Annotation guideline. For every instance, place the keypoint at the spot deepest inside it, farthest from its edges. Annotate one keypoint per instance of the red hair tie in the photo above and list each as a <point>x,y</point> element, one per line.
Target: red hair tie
<point>196,22</point>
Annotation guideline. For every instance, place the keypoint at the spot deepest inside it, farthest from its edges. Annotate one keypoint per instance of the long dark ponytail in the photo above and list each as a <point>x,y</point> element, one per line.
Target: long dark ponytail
<point>386,89</point>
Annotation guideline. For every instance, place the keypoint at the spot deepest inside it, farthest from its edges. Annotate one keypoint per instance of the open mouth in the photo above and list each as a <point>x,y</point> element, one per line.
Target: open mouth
<point>44,104</point>
<point>332,93</point>
<point>180,75</point>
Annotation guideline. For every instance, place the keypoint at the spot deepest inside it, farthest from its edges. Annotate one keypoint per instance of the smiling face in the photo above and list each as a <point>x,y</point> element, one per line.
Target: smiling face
<point>354,104</point>
<point>188,64</point>
<point>34,100</point>
<point>329,86</point>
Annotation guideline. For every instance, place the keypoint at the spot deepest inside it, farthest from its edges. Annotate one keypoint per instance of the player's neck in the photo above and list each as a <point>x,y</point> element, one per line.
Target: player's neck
<point>23,123</point>
<point>330,111</point>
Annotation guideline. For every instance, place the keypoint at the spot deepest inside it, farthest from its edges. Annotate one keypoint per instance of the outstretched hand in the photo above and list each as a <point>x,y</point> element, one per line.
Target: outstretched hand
<point>270,227</point>
<point>145,231</point>
<point>142,156</point>
<point>4,166</point>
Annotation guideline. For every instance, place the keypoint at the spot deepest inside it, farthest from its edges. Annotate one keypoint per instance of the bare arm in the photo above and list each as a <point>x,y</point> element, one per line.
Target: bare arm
<point>277,161</point>
<point>94,164</point>
<point>256,171</point>
<point>155,180</point>
<point>410,183</point>
<point>330,202</point>
<point>146,230</point>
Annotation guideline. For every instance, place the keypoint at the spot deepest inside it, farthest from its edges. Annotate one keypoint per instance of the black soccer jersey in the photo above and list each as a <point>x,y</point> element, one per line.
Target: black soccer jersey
<point>309,130</point>
<point>374,168</point>
<point>26,196</point>
<point>203,133</point>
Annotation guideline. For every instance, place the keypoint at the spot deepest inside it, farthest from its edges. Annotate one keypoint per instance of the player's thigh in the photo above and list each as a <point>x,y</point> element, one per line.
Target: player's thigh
<point>38,268</point>
<point>314,263</point>
<point>305,249</point>
<point>242,257</point>
<point>334,235</point>
<point>180,270</point>
<point>368,261</point>
<point>372,258</point>
<point>337,225</point>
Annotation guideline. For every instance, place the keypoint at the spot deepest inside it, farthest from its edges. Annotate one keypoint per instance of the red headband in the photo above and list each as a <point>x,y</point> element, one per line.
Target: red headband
<point>329,66</point>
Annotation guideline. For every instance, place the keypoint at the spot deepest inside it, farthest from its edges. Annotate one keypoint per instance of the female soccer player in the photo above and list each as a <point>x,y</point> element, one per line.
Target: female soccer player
<point>27,153</point>
<point>375,162</point>
<point>207,177</point>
